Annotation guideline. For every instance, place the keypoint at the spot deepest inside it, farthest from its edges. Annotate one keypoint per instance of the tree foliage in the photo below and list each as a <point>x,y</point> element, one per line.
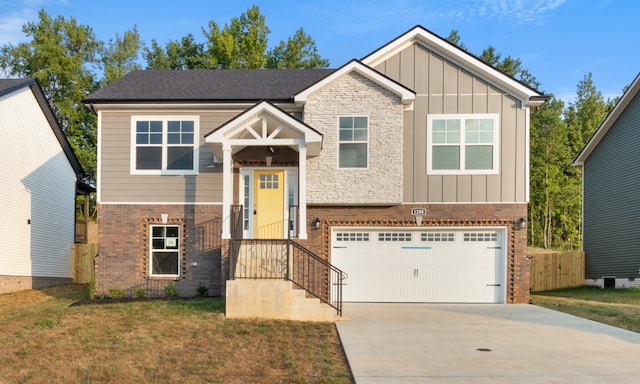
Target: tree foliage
<point>60,55</point>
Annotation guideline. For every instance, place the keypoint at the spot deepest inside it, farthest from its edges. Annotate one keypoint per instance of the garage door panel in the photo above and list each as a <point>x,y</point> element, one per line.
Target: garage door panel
<point>420,266</point>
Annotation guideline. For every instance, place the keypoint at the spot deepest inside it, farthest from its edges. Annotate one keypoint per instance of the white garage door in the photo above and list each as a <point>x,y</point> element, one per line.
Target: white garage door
<point>409,265</point>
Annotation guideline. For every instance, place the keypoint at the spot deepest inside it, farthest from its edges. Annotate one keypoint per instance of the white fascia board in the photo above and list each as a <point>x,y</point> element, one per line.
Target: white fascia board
<point>405,94</point>
<point>476,66</point>
<point>608,122</point>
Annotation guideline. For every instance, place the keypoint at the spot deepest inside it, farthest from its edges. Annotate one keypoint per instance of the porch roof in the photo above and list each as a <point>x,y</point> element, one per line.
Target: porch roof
<point>264,124</point>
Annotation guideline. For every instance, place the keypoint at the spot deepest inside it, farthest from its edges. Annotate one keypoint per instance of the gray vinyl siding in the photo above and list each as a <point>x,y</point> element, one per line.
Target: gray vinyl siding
<point>612,200</point>
<point>118,185</point>
<point>444,88</point>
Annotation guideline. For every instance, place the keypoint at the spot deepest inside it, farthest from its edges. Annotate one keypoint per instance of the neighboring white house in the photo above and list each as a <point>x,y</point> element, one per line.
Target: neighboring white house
<point>40,176</point>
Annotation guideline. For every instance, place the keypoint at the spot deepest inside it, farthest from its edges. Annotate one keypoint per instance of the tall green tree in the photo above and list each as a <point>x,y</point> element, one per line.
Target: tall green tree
<point>298,51</point>
<point>240,44</point>
<point>120,56</point>
<point>61,55</point>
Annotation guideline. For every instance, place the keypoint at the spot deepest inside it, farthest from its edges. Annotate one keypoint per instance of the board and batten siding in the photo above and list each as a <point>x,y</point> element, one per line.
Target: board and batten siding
<point>116,183</point>
<point>611,202</point>
<point>37,195</point>
<point>442,87</point>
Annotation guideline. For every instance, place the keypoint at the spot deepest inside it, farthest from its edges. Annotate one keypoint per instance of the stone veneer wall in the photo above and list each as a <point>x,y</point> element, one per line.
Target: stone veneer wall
<point>438,215</point>
<point>381,182</point>
<point>124,247</point>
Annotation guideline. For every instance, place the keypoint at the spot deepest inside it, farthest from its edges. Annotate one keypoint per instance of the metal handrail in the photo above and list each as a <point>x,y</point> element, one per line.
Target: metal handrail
<point>288,260</point>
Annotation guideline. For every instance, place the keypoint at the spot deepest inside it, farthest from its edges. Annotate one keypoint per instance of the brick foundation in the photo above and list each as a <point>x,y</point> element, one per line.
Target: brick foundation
<point>124,231</point>
<point>124,241</point>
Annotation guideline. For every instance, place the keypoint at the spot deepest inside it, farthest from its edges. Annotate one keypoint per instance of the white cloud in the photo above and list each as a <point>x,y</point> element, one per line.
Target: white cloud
<point>14,14</point>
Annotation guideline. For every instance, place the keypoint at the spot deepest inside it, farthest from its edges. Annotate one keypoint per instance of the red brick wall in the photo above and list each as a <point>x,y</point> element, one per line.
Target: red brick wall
<point>124,238</point>
<point>124,229</point>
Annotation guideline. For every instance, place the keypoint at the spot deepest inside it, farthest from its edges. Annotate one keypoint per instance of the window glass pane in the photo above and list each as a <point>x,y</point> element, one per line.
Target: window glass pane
<point>142,126</point>
<point>164,263</point>
<point>346,135</point>
<point>353,156</point>
<point>445,157</point>
<point>149,158</point>
<point>173,126</point>
<point>360,122</point>
<point>479,157</point>
<point>360,135</point>
<point>142,138</point>
<point>346,122</point>
<point>173,138</point>
<point>155,126</point>
<point>180,158</point>
<point>187,138</point>
<point>445,131</point>
<point>155,138</point>
<point>157,243</point>
<point>187,126</point>
<point>157,231</point>
<point>172,231</point>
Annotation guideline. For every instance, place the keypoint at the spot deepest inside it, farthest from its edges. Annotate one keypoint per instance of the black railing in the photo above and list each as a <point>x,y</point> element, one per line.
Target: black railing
<point>285,259</point>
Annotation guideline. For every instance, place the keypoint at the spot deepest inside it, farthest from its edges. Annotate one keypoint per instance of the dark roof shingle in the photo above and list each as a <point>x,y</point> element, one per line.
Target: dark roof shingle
<point>231,85</point>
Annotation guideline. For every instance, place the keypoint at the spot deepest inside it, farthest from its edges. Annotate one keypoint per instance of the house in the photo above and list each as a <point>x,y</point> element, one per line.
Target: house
<point>406,171</point>
<point>40,179</point>
<point>611,208</point>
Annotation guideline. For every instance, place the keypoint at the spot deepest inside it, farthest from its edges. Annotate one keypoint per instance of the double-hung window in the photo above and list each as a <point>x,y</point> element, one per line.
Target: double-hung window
<point>164,144</point>
<point>165,251</point>
<point>353,142</point>
<point>462,144</point>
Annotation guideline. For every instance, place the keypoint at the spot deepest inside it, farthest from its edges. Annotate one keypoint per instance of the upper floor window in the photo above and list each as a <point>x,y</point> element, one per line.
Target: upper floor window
<point>353,142</point>
<point>462,144</point>
<point>164,144</point>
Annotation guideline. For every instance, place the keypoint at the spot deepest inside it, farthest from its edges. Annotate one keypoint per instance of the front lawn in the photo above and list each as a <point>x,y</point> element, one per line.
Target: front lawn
<point>617,307</point>
<point>46,340</point>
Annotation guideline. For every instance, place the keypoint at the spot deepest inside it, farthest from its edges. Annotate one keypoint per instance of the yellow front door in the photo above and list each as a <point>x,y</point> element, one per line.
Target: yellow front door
<point>268,199</point>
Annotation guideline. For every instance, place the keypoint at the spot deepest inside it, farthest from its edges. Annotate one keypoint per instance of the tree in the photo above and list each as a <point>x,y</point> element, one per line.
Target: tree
<point>120,56</point>
<point>454,38</point>
<point>509,65</point>
<point>298,51</point>
<point>60,56</point>
<point>242,43</point>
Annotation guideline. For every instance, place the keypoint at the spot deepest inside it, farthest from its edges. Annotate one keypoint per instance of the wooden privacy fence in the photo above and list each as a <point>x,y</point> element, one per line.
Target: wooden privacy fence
<point>83,262</point>
<point>555,270</point>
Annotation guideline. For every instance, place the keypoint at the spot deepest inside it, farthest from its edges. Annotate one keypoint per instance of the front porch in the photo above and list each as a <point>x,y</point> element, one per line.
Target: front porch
<point>279,278</point>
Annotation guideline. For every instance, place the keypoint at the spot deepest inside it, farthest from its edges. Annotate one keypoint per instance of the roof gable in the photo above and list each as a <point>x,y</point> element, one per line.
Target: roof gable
<point>264,124</point>
<point>407,96</point>
<point>429,40</point>
<point>8,86</point>
<point>608,122</point>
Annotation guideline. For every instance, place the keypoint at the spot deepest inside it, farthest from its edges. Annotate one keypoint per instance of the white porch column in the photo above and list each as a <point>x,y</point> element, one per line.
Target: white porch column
<point>227,191</point>
<point>302,195</point>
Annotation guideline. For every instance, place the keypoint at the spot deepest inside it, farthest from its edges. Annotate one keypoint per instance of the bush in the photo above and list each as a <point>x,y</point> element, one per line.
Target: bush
<point>140,292</point>
<point>116,293</point>
<point>170,290</point>
<point>202,290</point>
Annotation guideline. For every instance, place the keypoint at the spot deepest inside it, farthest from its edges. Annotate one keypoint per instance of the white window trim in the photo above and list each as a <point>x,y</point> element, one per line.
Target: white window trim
<point>151,274</point>
<point>165,119</point>
<point>496,144</point>
<point>353,142</point>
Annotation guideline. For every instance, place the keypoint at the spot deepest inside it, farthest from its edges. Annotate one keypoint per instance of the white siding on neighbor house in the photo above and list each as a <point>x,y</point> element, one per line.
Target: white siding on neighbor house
<point>38,186</point>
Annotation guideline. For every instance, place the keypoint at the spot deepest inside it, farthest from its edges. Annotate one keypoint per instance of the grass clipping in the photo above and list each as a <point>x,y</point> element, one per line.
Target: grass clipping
<point>183,341</point>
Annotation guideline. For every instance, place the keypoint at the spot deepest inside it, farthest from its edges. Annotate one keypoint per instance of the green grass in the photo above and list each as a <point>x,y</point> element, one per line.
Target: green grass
<point>48,340</point>
<point>617,307</point>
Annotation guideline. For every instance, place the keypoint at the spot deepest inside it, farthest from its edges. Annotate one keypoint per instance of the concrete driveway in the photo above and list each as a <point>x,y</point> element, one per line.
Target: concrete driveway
<point>483,343</point>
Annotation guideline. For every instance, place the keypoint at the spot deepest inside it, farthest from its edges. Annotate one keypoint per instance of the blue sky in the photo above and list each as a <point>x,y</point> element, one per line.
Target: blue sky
<point>559,41</point>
